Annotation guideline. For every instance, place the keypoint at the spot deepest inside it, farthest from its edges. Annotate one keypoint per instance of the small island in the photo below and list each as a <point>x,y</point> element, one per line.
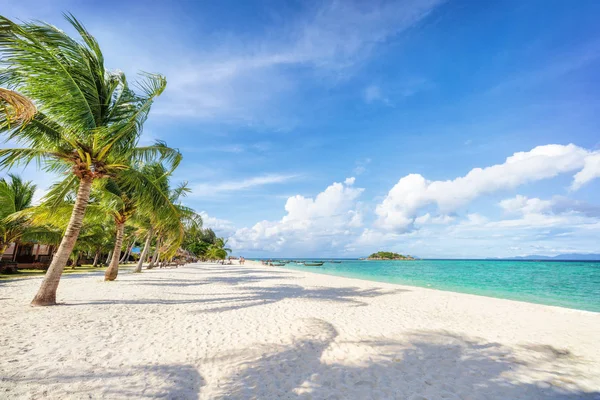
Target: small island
<point>388,255</point>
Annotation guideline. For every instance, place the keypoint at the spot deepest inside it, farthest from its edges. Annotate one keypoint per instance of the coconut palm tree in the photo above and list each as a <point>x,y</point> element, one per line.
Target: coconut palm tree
<point>121,203</point>
<point>168,222</point>
<point>145,190</point>
<point>218,251</point>
<point>88,119</point>
<point>15,196</point>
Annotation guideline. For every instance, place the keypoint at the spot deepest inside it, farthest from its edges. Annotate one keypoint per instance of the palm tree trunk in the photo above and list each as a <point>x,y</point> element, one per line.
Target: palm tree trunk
<point>113,269</point>
<point>130,249</point>
<point>96,259</point>
<point>3,248</point>
<point>155,256</point>
<point>75,260</point>
<point>127,252</point>
<point>122,259</point>
<point>46,295</point>
<point>15,251</point>
<point>109,257</point>
<point>138,268</point>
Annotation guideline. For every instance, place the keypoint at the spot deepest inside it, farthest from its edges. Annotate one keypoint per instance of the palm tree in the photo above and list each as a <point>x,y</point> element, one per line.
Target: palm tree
<point>145,250</point>
<point>218,251</point>
<point>198,241</point>
<point>15,196</point>
<point>169,220</point>
<point>88,123</point>
<point>121,204</point>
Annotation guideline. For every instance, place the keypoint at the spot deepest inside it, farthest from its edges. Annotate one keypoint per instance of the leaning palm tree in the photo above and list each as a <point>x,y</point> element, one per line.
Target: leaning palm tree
<point>141,189</point>
<point>88,122</point>
<point>15,196</point>
<point>168,220</point>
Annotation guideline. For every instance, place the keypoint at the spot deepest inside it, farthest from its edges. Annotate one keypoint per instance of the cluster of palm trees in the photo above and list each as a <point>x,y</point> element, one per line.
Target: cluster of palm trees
<point>76,119</point>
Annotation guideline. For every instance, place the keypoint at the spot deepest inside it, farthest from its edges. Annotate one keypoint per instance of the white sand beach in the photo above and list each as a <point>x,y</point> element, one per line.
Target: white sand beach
<point>206,331</point>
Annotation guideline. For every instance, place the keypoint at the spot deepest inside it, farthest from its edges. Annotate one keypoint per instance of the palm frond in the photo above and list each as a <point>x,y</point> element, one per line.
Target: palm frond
<point>15,157</point>
<point>45,64</point>
<point>15,109</point>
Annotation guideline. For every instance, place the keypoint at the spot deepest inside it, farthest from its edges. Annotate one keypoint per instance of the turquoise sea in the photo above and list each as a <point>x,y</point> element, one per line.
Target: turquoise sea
<point>571,284</point>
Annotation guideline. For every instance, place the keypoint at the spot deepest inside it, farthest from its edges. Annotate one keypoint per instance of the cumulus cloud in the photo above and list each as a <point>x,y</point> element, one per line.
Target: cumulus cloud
<point>309,224</point>
<point>557,205</point>
<point>400,208</point>
<point>434,219</point>
<point>524,205</point>
<point>590,171</point>
<point>222,227</point>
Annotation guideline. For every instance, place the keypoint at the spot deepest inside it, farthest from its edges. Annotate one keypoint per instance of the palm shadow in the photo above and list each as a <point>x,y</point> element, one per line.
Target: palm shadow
<point>427,365</point>
<point>257,296</point>
<point>252,296</point>
<point>213,274</point>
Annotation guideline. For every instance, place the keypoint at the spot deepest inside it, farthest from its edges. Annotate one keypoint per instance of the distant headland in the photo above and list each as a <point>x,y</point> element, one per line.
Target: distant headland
<point>388,255</point>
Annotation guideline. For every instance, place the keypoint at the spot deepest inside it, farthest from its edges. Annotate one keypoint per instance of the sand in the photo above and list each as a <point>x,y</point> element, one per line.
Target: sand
<point>252,332</point>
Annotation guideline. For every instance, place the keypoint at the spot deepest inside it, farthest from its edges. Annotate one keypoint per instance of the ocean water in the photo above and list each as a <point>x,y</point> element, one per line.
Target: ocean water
<point>571,284</point>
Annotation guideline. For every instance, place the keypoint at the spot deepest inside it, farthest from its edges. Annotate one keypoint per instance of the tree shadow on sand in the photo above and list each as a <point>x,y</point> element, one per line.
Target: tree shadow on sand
<point>160,381</point>
<point>232,280</point>
<point>255,296</point>
<point>213,275</point>
<point>426,365</point>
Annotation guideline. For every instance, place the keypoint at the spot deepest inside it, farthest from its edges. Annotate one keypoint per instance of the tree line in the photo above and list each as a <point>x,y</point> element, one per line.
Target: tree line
<point>68,114</point>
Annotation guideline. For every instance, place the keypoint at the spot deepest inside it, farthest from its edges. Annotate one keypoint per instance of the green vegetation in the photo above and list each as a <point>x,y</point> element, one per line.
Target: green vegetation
<point>15,196</point>
<point>80,121</point>
<point>204,244</point>
<point>388,255</point>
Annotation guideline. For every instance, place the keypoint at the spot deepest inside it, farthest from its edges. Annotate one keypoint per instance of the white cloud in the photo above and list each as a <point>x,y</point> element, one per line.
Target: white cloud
<point>361,166</point>
<point>242,80</point>
<point>211,189</point>
<point>222,227</point>
<point>523,205</point>
<point>558,205</point>
<point>436,220</point>
<point>234,77</point>
<point>413,192</point>
<point>590,171</point>
<point>310,223</point>
<point>373,94</point>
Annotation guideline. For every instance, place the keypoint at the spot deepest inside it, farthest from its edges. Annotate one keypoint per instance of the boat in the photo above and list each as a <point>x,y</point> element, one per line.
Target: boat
<point>314,264</point>
<point>277,264</point>
<point>335,262</point>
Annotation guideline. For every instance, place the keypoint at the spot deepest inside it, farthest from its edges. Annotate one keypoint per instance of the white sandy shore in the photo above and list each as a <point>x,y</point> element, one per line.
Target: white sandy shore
<point>253,332</point>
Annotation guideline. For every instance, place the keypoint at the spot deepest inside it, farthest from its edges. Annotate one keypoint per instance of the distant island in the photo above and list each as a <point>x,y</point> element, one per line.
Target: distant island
<point>388,255</point>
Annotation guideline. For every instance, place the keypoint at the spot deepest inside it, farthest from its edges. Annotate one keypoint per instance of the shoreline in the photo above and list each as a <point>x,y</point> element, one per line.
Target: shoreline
<point>257,263</point>
<point>208,331</point>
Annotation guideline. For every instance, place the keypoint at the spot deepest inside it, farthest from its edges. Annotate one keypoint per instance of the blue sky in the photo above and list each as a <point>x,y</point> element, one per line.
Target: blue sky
<point>343,128</point>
